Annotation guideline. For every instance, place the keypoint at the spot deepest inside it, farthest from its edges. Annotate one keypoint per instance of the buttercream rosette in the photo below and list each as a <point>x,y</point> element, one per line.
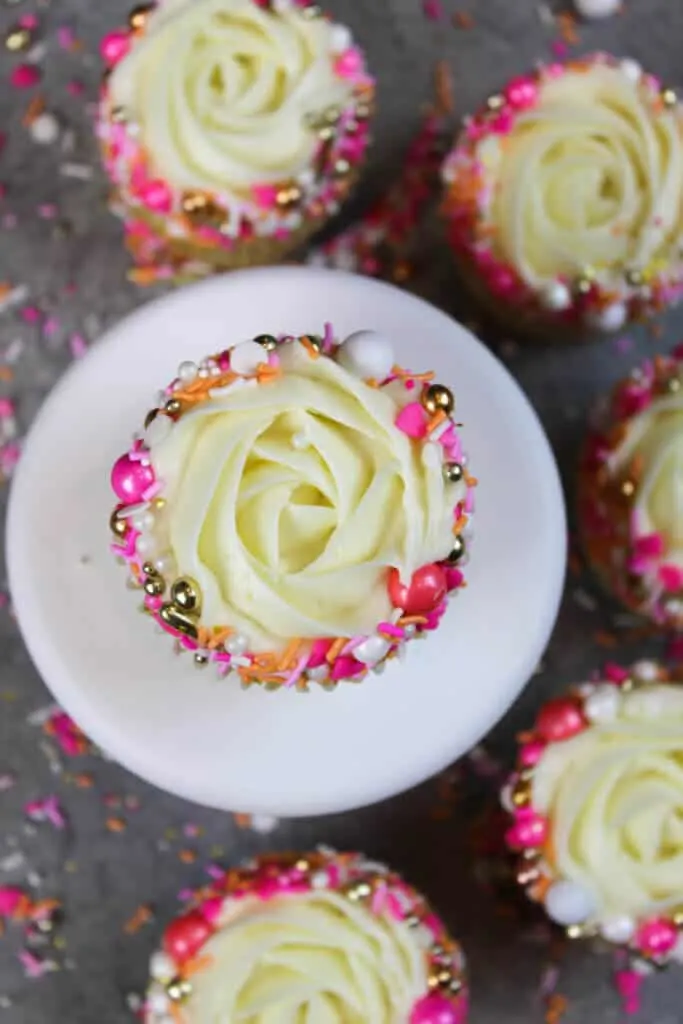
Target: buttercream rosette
<point>295,509</point>
<point>630,507</point>
<point>597,810</point>
<point>564,197</point>
<point>322,936</point>
<point>231,130</point>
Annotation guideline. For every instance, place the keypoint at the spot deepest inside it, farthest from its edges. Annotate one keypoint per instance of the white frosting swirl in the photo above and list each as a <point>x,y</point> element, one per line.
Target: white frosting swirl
<point>221,90</point>
<point>288,501</point>
<point>614,795</point>
<point>655,437</point>
<point>591,176</point>
<point>314,957</point>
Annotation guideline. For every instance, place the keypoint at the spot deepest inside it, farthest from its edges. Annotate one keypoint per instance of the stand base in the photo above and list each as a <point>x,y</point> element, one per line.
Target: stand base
<point>279,753</point>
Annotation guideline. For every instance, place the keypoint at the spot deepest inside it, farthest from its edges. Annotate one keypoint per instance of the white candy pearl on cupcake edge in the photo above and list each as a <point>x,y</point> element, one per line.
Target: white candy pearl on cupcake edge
<point>602,705</point>
<point>158,430</point>
<point>569,903</point>
<point>556,296</point>
<point>340,38</point>
<point>246,357</point>
<point>631,69</point>
<point>619,929</point>
<point>597,8</point>
<point>371,650</point>
<point>611,318</point>
<point>367,354</point>
<point>161,966</point>
<point>187,372</point>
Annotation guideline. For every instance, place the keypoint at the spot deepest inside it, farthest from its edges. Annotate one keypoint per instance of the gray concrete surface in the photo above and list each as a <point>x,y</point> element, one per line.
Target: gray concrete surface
<point>102,876</point>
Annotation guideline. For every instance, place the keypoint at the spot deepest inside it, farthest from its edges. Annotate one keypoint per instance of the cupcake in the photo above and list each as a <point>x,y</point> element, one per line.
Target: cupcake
<point>296,509</point>
<point>597,805</point>
<point>231,130</point>
<point>630,506</point>
<point>316,937</point>
<point>564,198</point>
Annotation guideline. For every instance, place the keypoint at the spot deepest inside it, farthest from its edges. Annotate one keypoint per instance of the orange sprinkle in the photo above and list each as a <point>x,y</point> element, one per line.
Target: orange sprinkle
<point>312,351</point>
<point>219,637</point>
<point>461,19</point>
<point>471,481</point>
<point>6,374</point>
<point>460,524</point>
<point>604,639</point>
<point>34,109</point>
<point>142,275</point>
<point>23,908</point>
<point>402,374</point>
<point>177,1014</point>
<point>83,780</point>
<point>443,87</point>
<point>143,915</point>
<point>243,820</point>
<point>115,824</point>
<point>43,907</point>
<point>289,654</point>
<point>556,1007</point>
<point>412,620</point>
<point>5,289</point>
<point>336,649</point>
<point>187,856</point>
<point>197,964</point>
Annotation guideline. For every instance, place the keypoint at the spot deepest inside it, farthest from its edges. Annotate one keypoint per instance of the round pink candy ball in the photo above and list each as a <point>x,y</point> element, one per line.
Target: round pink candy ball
<point>522,93</point>
<point>437,1009</point>
<point>130,479</point>
<point>114,47</point>
<point>156,195</point>
<point>657,937</point>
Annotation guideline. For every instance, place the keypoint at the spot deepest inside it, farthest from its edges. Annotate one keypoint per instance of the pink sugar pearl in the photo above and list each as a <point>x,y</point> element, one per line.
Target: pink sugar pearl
<point>530,829</point>
<point>531,753</point>
<point>156,195</point>
<point>522,93</point>
<point>657,937</point>
<point>130,479</point>
<point>25,76</point>
<point>114,47</point>
<point>560,719</point>
<point>437,1009</point>
<point>10,897</point>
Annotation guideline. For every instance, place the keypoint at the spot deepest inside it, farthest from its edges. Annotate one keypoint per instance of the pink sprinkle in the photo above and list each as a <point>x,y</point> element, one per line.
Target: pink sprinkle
<point>328,337</point>
<point>6,409</point>
<point>265,196</point>
<point>24,76</point>
<point>28,21</point>
<point>10,897</point>
<point>47,809</point>
<point>78,346</point>
<point>33,966</point>
<point>433,10</point>
<point>48,211</point>
<point>629,985</point>
<point>671,577</point>
<point>295,674</point>
<point>66,37</point>
<point>391,630</point>
<point>50,327</point>
<point>623,345</point>
<point>9,456</point>
<point>30,314</point>
<point>559,48</point>
<point>215,872</point>
<point>349,63</point>
<point>649,546</point>
<point>75,87</point>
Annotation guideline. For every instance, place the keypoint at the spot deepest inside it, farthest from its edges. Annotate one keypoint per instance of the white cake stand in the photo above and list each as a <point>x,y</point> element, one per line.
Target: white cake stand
<point>279,753</point>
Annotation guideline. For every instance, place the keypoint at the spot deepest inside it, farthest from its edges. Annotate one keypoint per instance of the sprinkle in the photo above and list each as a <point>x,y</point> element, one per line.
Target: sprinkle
<point>142,916</point>
<point>115,824</point>
<point>33,966</point>
<point>463,20</point>
<point>24,76</point>
<point>13,297</point>
<point>78,346</point>
<point>82,172</point>
<point>47,809</point>
<point>433,10</point>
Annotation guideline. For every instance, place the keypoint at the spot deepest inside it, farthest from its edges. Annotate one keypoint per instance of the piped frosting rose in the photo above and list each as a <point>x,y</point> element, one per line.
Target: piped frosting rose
<point>223,91</point>
<point>315,956</point>
<point>287,503</point>
<point>322,937</point>
<point>567,192</point>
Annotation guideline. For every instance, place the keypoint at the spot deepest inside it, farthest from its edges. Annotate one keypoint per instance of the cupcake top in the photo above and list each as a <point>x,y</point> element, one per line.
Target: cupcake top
<point>632,491</point>
<point>598,809</point>
<point>567,190</point>
<point>321,936</point>
<point>229,112</point>
<point>295,508</point>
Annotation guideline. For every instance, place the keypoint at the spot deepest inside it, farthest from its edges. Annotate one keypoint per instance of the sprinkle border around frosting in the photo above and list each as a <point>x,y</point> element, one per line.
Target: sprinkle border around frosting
<point>188,233</point>
<point>280,875</point>
<point>175,603</point>
<point>629,563</point>
<point>655,940</point>
<point>599,300</point>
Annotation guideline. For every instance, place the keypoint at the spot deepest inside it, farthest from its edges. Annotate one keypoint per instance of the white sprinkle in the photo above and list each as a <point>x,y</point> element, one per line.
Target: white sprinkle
<point>13,861</point>
<point>44,129</point>
<point>14,298</point>
<point>41,715</point>
<point>584,599</point>
<point>82,172</point>
<point>264,823</point>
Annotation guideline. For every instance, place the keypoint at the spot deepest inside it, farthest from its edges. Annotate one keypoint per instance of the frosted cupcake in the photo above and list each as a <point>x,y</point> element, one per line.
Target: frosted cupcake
<point>597,801</point>
<point>564,197</point>
<point>631,492</point>
<point>231,130</point>
<point>295,509</point>
<point>316,937</point>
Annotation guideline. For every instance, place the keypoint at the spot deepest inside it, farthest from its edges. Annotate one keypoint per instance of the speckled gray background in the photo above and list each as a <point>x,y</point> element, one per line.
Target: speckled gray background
<point>70,259</point>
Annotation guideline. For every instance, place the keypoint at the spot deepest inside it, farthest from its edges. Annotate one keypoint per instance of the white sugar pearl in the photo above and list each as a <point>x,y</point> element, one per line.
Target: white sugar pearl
<point>164,564</point>
<point>603,704</point>
<point>611,318</point>
<point>245,357</point>
<point>371,650</point>
<point>597,8</point>
<point>556,296</point>
<point>618,929</point>
<point>158,430</point>
<point>44,129</point>
<point>143,521</point>
<point>340,38</point>
<point>646,670</point>
<point>146,545</point>
<point>631,69</point>
<point>187,372</point>
<point>319,880</point>
<point>157,1000</point>
<point>161,966</point>
<point>367,354</point>
<point>568,903</point>
<point>237,644</point>
<point>318,674</point>
<point>506,798</point>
